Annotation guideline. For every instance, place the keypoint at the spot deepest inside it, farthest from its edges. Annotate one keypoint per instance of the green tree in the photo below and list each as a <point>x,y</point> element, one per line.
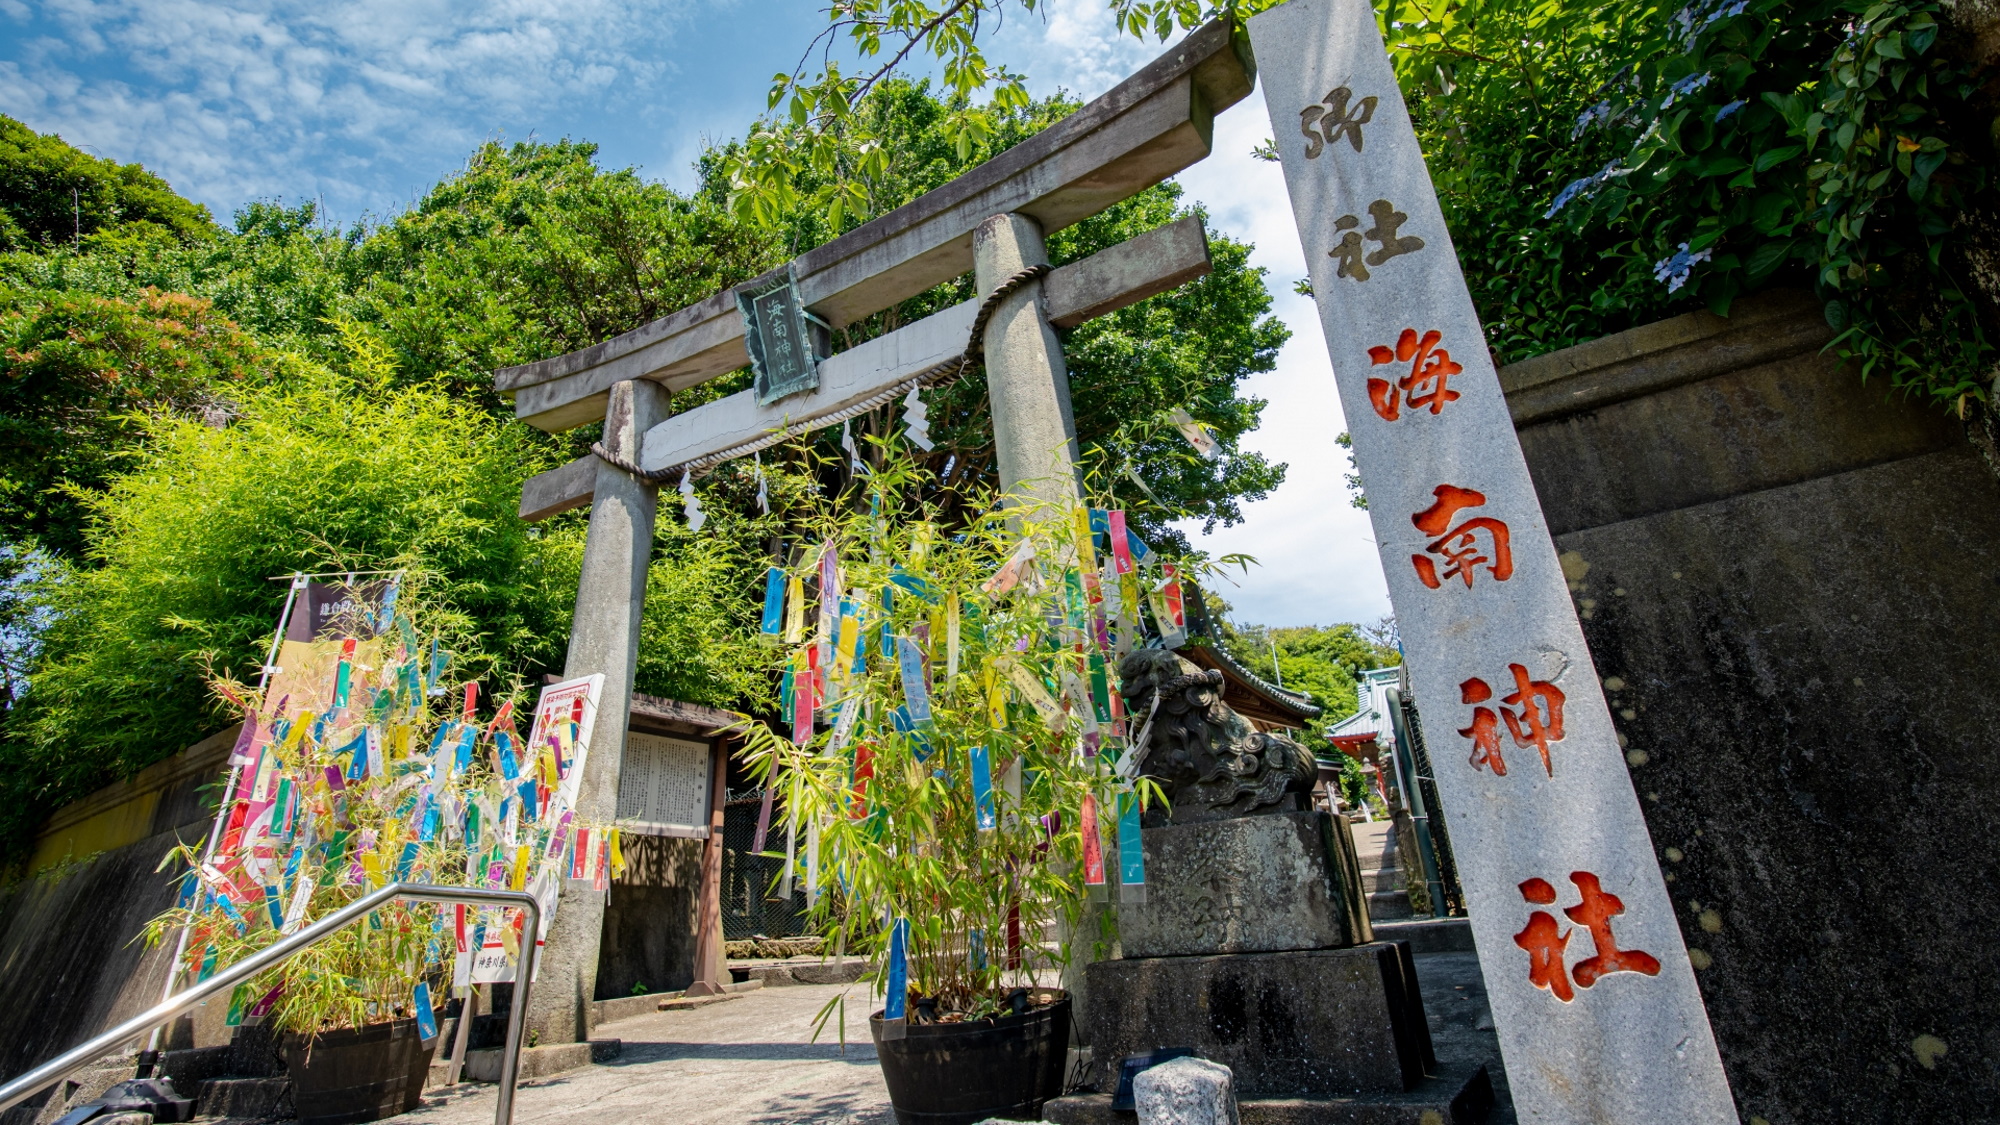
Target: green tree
<point>79,376</point>
<point>51,193</point>
<point>318,467</point>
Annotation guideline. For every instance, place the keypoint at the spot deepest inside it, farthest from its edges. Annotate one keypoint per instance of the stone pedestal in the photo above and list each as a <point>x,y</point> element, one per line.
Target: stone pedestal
<point>1302,1023</point>
<point>1255,884</point>
<point>1253,948</point>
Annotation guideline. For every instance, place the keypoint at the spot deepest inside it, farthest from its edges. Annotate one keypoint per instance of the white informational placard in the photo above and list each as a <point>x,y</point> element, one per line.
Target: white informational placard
<point>663,786</point>
<point>565,718</point>
<point>1594,999</point>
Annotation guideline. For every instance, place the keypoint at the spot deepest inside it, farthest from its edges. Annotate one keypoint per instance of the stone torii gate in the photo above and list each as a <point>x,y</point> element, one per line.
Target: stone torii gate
<point>991,221</point>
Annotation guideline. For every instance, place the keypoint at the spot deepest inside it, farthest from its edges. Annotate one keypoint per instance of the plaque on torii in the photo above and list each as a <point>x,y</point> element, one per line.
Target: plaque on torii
<point>990,221</point>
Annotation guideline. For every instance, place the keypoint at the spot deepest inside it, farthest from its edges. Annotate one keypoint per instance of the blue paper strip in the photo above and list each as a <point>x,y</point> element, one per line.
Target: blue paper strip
<point>509,767</point>
<point>888,608</point>
<point>467,739</point>
<point>916,687</point>
<point>897,1004</point>
<point>913,584</point>
<point>409,858</point>
<point>427,1024</point>
<point>982,789</point>
<point>774,601</point>
<point>1131,846</point>
<point>920,741</point>
<point>273,902</point>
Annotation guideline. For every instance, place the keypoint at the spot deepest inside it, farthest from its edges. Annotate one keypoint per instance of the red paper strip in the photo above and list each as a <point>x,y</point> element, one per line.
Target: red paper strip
<point>1172,592</point>
<point>1093,844</point>
<point>864,771</point>
<point>1121,547</point>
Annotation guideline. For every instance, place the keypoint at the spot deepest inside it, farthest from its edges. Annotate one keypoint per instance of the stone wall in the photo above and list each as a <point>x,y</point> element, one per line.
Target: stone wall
<point>71,964</point>
<point>1790,582</point>
<point>650,918</point>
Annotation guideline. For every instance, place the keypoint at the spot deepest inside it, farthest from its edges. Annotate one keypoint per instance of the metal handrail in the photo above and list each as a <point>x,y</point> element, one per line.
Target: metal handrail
<point>64,1065</point>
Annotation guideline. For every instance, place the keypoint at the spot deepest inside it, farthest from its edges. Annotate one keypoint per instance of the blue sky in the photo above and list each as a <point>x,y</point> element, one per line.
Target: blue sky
<point>363,104</point>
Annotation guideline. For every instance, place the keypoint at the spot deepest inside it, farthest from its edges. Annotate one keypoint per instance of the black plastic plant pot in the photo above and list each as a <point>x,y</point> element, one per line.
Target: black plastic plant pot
<point>963,1073</point>
<point>358,1074</point>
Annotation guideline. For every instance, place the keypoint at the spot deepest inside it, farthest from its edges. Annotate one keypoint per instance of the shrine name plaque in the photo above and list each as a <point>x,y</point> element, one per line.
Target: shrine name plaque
<point>663,786</point>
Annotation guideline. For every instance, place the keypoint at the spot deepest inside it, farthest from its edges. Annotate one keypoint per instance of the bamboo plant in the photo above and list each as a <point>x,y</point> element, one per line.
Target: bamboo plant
<point>947,756</point>
<point>380,773</point>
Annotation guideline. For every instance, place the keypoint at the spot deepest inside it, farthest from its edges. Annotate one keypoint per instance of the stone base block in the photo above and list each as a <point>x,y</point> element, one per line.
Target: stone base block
<point>259,1099</point>
<point>540,1062</point>
<point>1307,1023</point>
<point>1463,1097</point>
<point>1253,884</point>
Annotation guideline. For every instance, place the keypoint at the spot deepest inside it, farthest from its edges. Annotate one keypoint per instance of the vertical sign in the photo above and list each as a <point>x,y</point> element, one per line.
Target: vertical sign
<point>1594,999</point>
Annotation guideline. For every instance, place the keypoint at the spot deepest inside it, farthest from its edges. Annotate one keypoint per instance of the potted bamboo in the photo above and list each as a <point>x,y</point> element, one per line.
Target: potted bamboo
<point>947,768</point>
<point>358,767</point>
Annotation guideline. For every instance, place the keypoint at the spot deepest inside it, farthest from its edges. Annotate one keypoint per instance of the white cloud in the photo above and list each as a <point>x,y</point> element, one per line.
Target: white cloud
<point>341,98</point>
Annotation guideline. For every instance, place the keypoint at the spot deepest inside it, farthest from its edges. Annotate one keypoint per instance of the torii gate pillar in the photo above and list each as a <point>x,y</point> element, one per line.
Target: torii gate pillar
<point>604,637</point>
<point>1027,383</point>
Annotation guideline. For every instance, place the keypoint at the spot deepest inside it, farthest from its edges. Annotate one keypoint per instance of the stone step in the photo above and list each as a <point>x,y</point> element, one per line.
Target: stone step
<point>800,970</point>
<point>1382,879</point>
<point>1386,905</point>
<point>1460,1093</point>
<point>688,1003</point>
<point>1428,935</point>
<point>536,1062</point>
<point>625,1007</point>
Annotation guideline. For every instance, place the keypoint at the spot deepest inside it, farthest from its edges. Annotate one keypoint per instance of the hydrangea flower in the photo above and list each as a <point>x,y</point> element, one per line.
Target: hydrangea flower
<point>1696,18</point>
<point>1588,185</point>
<point>1732,107</point>
<point>1599,112</point>
<point>1674,270</point>
<point>1684,87</point>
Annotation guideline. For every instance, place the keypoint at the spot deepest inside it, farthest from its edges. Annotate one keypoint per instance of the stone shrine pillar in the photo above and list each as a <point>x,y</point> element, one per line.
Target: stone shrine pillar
<point>610,599</point>
<point>1592,991</point>
<point>1034,433</point>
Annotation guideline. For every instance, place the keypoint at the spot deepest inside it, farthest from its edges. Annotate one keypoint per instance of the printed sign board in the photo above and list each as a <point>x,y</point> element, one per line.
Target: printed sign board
<point>663,786</point>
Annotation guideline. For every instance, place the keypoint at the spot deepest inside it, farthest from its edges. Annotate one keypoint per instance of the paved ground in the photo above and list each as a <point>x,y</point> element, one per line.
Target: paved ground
<point>753,1060</point>
<point>747,1060</point>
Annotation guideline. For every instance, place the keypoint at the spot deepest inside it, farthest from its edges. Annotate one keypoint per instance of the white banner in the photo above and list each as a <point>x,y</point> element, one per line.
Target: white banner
<point>1596,1005</point>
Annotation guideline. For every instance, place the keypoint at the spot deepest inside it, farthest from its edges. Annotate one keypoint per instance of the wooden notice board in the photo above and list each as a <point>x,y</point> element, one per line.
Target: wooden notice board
<point>663,786</point>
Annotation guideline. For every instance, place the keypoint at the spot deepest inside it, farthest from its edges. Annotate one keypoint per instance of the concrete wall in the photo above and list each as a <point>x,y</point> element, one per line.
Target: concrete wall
<point>1790,582</point>
<point>71,963</point>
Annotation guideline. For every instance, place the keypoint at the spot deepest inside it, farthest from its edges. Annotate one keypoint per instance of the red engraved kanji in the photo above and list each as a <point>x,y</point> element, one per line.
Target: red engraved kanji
<point>1594,913</point>
<point>1464,547</point>
<point>1545,940</point>
<point>1485,729</point>
<point>1425,385</point>
<point>1539,718</point>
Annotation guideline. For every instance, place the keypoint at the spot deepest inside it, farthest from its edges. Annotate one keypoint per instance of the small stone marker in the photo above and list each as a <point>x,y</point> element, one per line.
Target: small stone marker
<point>1597,1009</point>
<point>1185,1091</point>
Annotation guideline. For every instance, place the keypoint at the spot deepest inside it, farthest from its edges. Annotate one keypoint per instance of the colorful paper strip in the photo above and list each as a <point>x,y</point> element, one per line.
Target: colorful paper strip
<point>982,790</point>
